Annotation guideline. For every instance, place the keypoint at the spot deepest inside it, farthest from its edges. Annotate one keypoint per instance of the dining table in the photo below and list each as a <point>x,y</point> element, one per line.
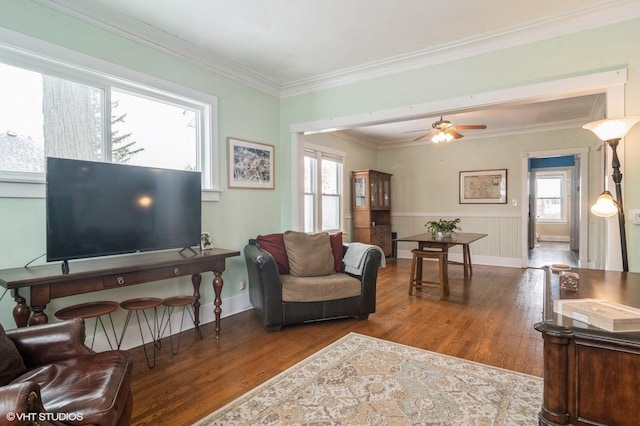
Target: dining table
<point>433,241</point>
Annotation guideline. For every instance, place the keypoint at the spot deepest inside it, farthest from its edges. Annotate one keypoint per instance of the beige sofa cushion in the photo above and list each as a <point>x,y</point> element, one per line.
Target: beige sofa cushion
<point>316,289</point>
<point>309,255</point>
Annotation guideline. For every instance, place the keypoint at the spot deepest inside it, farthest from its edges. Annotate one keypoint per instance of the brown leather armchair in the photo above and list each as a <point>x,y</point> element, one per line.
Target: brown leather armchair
<point>65,382</point>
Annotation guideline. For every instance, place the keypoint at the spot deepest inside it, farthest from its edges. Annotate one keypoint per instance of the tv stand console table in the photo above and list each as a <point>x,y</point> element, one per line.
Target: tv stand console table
<point>47,282</point>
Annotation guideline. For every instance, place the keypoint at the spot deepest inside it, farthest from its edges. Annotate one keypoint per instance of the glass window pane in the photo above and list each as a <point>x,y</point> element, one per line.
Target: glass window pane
<point>308,213</point>
<point>330,212</point>
<point>330,177</point>
<point>309,174</point>
<point>147,132</point>
<point>549,187</point>
<point>47,116</point>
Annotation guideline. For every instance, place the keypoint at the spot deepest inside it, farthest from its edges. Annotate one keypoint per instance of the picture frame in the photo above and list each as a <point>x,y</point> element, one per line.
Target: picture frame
<point>251,165</point>
<point>206,242</point>
<point>483,187</point>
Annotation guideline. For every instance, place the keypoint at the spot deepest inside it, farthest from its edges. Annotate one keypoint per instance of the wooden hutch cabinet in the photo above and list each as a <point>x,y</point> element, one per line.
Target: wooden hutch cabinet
<point>371,208</point>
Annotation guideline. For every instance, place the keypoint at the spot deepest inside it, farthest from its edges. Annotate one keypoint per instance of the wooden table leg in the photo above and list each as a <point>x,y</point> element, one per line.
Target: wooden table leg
<point>466,259</point>
<point>21,311</point>
<point>217,288</point>
<point>196,279</point>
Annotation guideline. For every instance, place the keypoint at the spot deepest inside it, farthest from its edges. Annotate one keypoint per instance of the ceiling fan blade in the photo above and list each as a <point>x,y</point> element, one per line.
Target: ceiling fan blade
<point>470,126</point>
<point>422,137</point>
<point>414,131</point>
<point>455,134</point>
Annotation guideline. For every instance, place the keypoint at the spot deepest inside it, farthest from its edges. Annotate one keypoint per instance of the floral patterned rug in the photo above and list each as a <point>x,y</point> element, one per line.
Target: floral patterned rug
<point>361,380</point>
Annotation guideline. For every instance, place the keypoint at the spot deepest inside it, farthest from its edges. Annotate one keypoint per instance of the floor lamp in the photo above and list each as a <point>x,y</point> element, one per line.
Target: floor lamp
<point>611,131</point>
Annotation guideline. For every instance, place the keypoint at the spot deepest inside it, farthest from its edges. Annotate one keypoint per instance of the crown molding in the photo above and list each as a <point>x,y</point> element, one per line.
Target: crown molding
<point>140,32</point>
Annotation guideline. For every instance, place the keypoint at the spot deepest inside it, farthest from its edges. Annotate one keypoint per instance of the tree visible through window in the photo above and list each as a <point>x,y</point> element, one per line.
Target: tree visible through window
<point>44,115</point>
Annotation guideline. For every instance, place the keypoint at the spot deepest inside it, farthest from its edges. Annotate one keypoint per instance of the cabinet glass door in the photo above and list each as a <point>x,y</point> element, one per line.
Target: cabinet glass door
<point>386,198</point>
<point>360,189</point>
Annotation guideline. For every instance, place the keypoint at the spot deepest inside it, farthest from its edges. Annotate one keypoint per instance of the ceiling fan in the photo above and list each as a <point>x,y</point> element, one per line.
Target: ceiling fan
<point>444,131</point>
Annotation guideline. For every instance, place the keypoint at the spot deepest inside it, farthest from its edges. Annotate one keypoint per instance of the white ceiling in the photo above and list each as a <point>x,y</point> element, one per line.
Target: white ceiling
<point>289,47</point>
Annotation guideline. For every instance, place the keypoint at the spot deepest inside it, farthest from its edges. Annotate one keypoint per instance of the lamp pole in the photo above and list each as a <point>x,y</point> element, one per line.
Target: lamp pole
<point>617,180</point>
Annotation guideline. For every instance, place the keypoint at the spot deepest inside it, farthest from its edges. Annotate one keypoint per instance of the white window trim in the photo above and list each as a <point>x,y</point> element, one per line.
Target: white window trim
<point>551,173</point>
<point>330,153</point>
<point>28,52</point>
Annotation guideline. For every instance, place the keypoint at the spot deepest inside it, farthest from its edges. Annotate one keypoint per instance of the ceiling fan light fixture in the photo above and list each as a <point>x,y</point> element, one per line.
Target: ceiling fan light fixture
<point>442,137</point>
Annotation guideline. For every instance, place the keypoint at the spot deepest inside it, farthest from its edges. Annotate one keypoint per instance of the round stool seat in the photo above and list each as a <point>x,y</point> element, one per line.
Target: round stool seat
<point>87,310</point>
<point>140,304</point>
<point>177,301</point>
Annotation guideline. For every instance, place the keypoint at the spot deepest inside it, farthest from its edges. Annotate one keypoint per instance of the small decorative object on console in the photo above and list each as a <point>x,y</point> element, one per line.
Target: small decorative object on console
<point>569,281</point>
<point>206,242</point>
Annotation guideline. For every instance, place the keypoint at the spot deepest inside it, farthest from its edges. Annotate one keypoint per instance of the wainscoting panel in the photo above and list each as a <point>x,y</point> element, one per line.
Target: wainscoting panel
<point>501,247</point>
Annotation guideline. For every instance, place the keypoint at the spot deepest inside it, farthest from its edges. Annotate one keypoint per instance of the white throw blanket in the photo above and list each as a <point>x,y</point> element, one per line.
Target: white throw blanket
<point>354,257</point>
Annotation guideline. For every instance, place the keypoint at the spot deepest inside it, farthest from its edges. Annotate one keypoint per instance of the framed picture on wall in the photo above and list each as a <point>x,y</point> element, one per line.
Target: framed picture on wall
<point>483,187</point>
<point>251,164</point>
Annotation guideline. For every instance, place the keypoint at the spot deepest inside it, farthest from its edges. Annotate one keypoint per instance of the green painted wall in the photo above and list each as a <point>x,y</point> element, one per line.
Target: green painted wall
<point>244,113</point>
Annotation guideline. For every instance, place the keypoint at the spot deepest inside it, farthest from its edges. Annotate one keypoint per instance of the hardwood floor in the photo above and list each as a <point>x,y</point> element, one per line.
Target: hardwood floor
<point>547,253</point>
<point>488,319</point>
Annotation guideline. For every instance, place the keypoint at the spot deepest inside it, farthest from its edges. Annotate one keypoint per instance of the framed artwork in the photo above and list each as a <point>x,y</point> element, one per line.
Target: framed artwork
<point>483,187</point>
<point>251,164</point>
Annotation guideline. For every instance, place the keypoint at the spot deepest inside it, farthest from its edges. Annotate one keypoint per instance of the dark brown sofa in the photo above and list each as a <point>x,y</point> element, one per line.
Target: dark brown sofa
<point>280,297</point>
<point>61,381</point>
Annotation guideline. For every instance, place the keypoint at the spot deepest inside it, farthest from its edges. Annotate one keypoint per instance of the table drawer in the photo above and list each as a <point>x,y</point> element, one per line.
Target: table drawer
<point>137,277</point>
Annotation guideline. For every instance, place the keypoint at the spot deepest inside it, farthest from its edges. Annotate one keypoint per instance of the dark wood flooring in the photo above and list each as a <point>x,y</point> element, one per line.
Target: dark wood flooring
<point>488,319</point>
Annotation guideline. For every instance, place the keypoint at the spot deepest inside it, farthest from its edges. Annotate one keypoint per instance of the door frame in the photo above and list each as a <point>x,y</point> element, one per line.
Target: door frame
<point>583,153</point>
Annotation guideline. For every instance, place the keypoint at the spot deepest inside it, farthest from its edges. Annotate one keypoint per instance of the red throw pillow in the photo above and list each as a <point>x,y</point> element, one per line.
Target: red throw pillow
<point>274,244</point>
<point>338,250</point>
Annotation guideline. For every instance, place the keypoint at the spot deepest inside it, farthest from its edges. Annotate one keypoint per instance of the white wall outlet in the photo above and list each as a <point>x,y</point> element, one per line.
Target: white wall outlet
<point>514,202</point>
<point>243,284</point>
<point>635,216</point>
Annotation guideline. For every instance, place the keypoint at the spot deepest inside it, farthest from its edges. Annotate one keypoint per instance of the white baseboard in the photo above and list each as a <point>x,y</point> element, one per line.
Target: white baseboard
<point>554,238</point>
<point>230,306</point>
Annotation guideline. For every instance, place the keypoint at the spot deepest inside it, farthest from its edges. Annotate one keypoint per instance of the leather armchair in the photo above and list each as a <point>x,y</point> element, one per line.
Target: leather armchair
<point>265,292</point>
<point>66,382</point>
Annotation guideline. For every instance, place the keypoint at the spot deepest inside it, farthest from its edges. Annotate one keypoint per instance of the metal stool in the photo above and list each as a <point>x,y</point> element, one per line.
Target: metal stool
<point>138,305</point>
<point>92,310</point>
<point>416,280</point>
<point>186,303</point>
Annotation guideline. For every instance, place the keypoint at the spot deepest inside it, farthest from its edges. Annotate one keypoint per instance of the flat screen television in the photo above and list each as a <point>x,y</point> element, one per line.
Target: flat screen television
<point>99,209</point>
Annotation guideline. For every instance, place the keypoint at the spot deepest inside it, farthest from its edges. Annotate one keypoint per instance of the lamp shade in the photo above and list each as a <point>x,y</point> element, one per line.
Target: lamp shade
<point>605,205</point>
<point>612,128</point>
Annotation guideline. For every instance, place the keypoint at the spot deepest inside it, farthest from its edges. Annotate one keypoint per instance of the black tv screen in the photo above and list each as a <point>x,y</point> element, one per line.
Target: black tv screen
<point>98,209</point>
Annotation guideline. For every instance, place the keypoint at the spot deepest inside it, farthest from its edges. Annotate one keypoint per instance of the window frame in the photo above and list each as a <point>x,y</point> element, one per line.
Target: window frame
<point>319,153</point>
<point>563,175</point>
<point>36,55</point>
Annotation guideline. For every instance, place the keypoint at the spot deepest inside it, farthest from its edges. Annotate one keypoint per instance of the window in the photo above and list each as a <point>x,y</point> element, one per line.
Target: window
<point>54,109</point>
<point>551,203</point>
<point>323,201</point>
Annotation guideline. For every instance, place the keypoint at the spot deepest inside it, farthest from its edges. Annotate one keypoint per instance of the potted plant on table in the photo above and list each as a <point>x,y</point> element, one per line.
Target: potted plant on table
<point>443,227</point>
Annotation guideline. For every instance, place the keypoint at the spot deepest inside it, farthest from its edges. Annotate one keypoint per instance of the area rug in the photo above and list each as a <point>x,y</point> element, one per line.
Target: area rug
<point>361,380</point>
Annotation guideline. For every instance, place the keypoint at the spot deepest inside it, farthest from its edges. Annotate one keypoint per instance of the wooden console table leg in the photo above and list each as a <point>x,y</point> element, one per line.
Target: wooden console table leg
<point>38,316</point>
<point>217,288</point>
<point>556,395</point>
<point>196,279</point>
<point>21,311</point>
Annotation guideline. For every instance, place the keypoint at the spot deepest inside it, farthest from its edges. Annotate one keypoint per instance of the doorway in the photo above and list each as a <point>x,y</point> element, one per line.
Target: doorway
<point>556,192</point>
<point>554,219</point>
